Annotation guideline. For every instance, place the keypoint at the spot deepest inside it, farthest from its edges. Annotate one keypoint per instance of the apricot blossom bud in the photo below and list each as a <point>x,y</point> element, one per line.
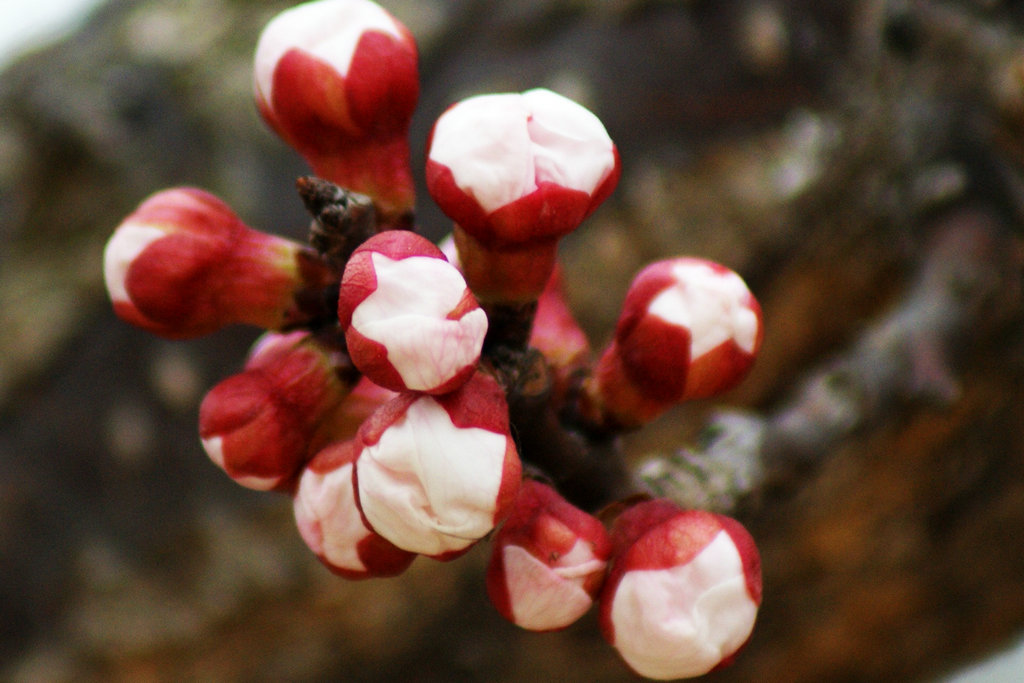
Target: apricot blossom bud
<point>331,525</point>
<point>689,328</point>
<point>410,322</point>
<point>516,172</point>
<point>338,81</point>
<point>548,561</point>
<point>437,473</point>
<point>183,264</point>
<point>557,334</point>
<point>260,426</point>
<point>683,590</point>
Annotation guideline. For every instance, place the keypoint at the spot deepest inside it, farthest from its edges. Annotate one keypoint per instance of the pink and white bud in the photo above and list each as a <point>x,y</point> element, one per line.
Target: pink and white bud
<point>437,473</point>
<point>548,561</point>
<point>516,172</point>
<point>331,525</point>
<point>689,328</point>
<point>261,425</point>
<point>410,322</point>
<point>183,264</point>
<point>683,591</point>
<point>338,81</point>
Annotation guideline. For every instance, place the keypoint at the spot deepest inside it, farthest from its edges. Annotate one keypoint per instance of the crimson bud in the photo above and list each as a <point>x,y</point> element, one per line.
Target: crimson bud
<point>338,81</point>
<point>183,265</point>
<point>260,426</point>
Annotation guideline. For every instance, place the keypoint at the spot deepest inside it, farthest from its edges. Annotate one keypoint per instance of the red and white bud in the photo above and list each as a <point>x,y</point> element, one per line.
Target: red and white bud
<point>548,561</point>
<point>330,523</point>
<point>683,590</point>
<point>557,335</point>
<point>183,264</point>
<point>689,328</point>
<point>338,81</point>
<point>410,322</point>
<point>261,425</point>
<point>437,473</point>
<point>516,172</point>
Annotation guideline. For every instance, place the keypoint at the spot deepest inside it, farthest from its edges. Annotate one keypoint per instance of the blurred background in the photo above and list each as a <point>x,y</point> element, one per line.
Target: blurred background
<point>815,148</point>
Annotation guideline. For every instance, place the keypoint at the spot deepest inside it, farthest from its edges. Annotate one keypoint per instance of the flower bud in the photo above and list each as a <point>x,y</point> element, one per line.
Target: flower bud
<point>183,264</point>
<point>558,336</point>
<point>330,524</point>
<point>689,329</point>
<point>410,322</point>
<point>338,81</point>
<point>436,473</point>
<point>683,590</point>
<point>260,426</point>
<point>548,561</point>
<point>516,172</point>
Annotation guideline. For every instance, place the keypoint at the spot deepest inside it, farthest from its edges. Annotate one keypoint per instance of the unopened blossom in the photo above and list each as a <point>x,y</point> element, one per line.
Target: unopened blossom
<point>183,264</point>
<point>548,561</point>
<point>331,525</point>
<point>436,473</point>
<point>338,81</point>
<point>689,328</point>
<point>410,321</point>
<point>683,590</point>
<point>261,425</point>
<point>557,335</point>
<point>516,172</point>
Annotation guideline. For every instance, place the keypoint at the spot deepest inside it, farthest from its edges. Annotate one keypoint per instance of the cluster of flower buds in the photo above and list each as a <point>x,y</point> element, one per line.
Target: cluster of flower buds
<point>386,397</point>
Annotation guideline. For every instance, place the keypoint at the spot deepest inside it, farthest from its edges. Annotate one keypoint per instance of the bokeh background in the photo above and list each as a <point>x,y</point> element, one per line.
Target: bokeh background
<point>811,146</point>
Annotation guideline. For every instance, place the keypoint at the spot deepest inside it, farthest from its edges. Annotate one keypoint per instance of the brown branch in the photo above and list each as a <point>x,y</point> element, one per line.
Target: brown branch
<point>588,470</point>
<point>905,356</point>
<point>342,219</point>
